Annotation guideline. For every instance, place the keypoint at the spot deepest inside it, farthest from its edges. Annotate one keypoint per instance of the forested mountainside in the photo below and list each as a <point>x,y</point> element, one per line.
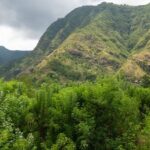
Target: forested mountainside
<point>8,57</point>
<point>92,41</point>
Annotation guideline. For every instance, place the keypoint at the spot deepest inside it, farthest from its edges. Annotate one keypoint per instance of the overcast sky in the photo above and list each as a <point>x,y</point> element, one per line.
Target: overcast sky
<point>22,22</point>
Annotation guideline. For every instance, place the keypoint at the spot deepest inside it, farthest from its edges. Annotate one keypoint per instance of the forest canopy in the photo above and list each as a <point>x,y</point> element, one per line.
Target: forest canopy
<point>107,114</point>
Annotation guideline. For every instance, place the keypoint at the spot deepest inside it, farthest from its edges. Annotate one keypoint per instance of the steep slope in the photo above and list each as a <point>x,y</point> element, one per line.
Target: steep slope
<point>92,41</point>
<point>138,63</point>
<point>137,66</point>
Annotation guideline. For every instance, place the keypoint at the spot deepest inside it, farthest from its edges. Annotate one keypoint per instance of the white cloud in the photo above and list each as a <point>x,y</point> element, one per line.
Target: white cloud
<point>15,40</point>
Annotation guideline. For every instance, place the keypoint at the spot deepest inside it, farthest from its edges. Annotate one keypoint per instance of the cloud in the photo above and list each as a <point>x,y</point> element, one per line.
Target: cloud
<point>15,40</point>
<point>33,16</point>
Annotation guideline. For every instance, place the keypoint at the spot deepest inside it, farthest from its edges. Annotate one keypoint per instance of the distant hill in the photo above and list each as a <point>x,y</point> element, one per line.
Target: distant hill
<point>93,41</point>
<point>8,56</point>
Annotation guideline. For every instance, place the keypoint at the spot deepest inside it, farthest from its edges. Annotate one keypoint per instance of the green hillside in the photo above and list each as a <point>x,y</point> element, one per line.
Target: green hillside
<point>8,57</point>
<point>92,41</point>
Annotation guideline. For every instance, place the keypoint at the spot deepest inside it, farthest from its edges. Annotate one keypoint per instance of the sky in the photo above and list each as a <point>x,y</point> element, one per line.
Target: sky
<point>22,22</point>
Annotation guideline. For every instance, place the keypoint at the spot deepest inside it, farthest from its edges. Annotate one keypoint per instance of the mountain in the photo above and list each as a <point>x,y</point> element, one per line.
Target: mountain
<point>8,57</point>
<point>93,41</point>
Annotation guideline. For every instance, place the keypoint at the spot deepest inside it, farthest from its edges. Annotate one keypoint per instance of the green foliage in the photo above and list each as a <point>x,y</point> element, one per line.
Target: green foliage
<point>64,70</point>
<point>63,143</point>
<point>108,114</point>
<point>146,81</point>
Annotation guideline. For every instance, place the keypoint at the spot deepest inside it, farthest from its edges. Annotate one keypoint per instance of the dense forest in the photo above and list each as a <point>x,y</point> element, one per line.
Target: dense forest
<point>107,114</point>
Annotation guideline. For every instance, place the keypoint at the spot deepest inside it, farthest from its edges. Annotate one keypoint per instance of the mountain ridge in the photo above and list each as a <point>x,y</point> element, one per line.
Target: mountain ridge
<point>92,41</point>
